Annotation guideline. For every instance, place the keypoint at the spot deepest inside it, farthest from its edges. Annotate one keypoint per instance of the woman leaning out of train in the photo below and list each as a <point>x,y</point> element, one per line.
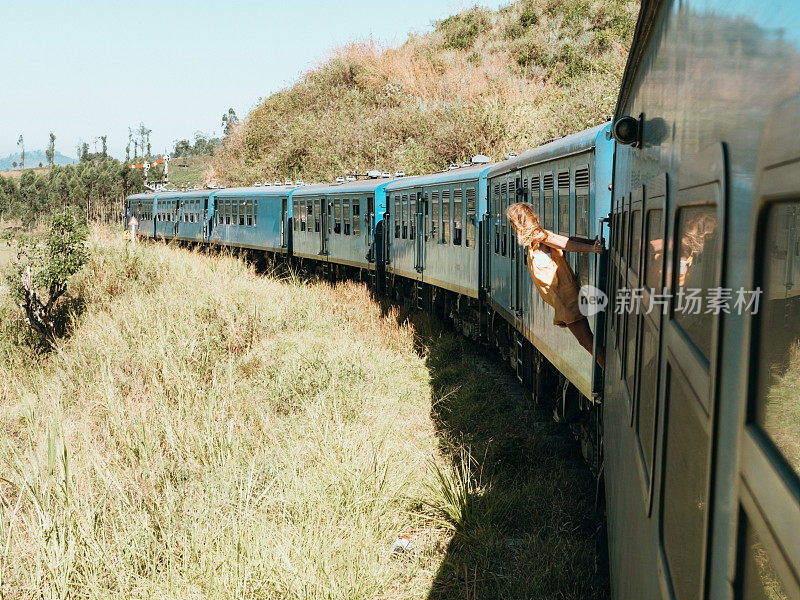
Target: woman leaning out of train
<point>551,274</point>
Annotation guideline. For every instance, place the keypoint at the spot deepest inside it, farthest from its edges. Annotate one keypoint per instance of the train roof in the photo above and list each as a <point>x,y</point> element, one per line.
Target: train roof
<point>142,196</point>
<point>451,176</point>
<point>269,190</point>
<point>571,144</point>
<point>202,193</point>
<point>349,187</point>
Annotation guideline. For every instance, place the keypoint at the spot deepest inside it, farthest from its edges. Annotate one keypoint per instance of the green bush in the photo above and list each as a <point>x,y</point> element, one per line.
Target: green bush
<point>38,279</point>
<point>461,30</point>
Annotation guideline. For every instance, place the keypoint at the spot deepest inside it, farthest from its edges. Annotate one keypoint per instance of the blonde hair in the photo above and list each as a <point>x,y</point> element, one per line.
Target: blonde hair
<point>526,223</point>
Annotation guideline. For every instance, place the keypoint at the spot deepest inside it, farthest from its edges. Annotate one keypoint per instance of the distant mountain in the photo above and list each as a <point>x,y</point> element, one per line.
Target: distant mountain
<point>32,160</point>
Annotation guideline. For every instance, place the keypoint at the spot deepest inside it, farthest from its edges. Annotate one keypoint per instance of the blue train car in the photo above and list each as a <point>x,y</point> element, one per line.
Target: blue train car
<point>432,230</point>
<point>255,218</point>
<point>567,181</point>
<point>700,413</point>
<point>165,215</point>
<point>335,224</point>
<point>192,213</point>
<point>142,207</point>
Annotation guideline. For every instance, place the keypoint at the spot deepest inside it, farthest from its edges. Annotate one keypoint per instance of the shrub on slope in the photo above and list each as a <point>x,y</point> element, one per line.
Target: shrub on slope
<point>482,82</point>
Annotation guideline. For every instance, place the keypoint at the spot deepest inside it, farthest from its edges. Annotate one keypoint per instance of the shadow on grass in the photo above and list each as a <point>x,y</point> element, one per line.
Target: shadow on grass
<point>526,525</point>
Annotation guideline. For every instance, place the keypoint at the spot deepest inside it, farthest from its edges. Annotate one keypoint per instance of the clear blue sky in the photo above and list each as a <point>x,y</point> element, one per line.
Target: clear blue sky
<point>90,67</point>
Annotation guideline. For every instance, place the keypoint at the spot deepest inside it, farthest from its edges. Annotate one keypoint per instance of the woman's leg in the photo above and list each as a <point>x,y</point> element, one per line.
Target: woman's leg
<point>583,333</point>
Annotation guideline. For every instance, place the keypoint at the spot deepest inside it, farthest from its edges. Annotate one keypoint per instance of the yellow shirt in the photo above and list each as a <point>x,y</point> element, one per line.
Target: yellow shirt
<point>556,283</point>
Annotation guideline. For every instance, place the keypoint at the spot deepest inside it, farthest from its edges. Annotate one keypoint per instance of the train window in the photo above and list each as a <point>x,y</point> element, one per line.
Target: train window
<point>685,495</point>
<point>636,240</point>
<point>255,212</point>
<point>548,201</point>
<point>337,215</point>
<point>309,215</point>
<point>356,216</point>
<point>249,213</point>
<point>397,217</point>
<point>563,202</point>
<point>758,578</point>
<point>777,411</point>
<point>470,220</point>
<point>242,208</point>
<point>346,216</point>
<point>404,217</point>
<point>412,216</point>
<point>330,204</point>
<point>303,216</point>
<point>434,214</point>
<point>695,272</point>
<point>496,203</point>
<point>458,215</point>
<point>654,251</point>
<point>503,218</point>
<point>582,202</point>
<point>535,194</point>
<point>445,216</point>
<point>317,216</point>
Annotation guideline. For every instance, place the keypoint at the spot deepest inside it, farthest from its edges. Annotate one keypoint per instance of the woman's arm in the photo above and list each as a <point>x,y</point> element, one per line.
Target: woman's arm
<point>573,244</point>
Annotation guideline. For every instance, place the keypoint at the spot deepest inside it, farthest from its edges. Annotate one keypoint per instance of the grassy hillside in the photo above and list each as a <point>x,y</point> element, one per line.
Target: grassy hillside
<point>482,82</point>
<point>210,433</point>
<point>189,171</point>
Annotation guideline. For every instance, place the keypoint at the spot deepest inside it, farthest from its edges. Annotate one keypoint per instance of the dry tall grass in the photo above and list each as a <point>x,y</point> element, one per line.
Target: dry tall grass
<point>207,432</point>
<point>482,82</point>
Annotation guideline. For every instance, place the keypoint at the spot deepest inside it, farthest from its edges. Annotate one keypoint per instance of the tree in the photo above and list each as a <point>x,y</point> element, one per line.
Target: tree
<point>21,144</point>
<point>50,153</point>
<point>40,277</point>
<point>14,164</point>
<point>229,119</point>
<point>104,139</point>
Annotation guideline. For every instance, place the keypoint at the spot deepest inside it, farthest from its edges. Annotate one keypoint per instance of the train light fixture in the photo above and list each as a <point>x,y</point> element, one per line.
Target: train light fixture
<point>628,131</point>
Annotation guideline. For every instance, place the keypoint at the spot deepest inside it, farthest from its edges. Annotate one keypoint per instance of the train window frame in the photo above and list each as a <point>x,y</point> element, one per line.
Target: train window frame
<point>503,218</point>
<point>435,215</point>
<point>655,201</point>
<point>770,485</point>
<point>536,192</point>
<point>413,211</point>
<point>255,212</point>
<point>396,216</point>
<point>458,215</point>
<point>355,207</point>
<point>632,318</point>
<point>347,217</point>
<point>495,207</point>
<point>471,204</point>
<point>548,210</point>
<point>564,175</point>
<point>446,218</point>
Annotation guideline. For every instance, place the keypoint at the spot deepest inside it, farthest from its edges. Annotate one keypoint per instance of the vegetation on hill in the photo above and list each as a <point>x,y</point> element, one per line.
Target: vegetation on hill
<point>482,82</point>
<point>208,432</point>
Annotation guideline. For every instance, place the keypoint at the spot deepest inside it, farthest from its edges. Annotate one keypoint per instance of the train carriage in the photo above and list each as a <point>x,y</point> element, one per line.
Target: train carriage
<point>336,223</point>
<point>191,214</point>
<point>141,206</point>
<point>255,218</point>
<point>567,181</point>
<point>431,230</point>
<point>701,417</point>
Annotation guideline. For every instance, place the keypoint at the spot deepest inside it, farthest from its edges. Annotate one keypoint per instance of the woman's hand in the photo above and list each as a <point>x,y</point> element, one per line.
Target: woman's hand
<point>597,247</point>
